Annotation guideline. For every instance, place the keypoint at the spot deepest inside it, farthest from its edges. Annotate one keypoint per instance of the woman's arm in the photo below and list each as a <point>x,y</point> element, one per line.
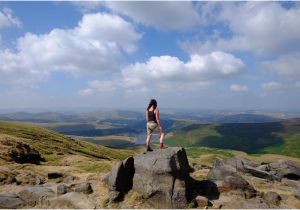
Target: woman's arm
<point>147,119</point>
<point>157,119</point>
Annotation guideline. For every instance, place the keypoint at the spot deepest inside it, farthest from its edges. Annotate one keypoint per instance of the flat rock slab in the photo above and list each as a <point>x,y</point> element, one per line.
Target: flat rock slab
<point>11,201</point>
<point>36,196</point>
<point>72,200</point>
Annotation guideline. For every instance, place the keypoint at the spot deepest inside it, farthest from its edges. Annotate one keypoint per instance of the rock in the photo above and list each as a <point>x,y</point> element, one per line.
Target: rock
<point>28,177</point>
<point>39,180</point>
<point>10,180</point>
<point>36,196</point>
<point>70,179</point>
<point>55,175</point>
<point>119,180</point>
<point>84,187</point>
<point>62,189</point>
<point>240,163</point>
<point>253,203</point>
<point>201,201</point>
<point>72,200</point>
<point>162,177</point>
<point>272,197</point>
<point>11,201</point>
<point>260,173</point>
<point>231,180</point>
<point>201,166</point>
<point>286,169</point>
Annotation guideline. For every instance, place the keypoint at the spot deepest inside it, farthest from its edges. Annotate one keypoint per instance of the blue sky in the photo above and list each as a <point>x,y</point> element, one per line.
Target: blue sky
<point>187,55</point>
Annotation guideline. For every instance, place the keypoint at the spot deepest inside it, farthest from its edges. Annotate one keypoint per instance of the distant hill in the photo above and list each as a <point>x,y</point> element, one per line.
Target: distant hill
<point>49,143</point>
<point>269,137</point>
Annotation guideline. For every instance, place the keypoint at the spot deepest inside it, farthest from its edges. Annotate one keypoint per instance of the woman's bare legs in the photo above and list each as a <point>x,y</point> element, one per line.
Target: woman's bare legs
<point>148,141</point>
<point>161,140</point>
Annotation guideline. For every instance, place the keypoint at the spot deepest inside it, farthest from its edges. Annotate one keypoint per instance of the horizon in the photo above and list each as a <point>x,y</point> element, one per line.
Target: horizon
<point>188,55</point>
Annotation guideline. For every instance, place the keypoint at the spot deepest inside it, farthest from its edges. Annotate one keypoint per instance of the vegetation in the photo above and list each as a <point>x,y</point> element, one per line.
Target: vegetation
<point>254,138</point>
<point>51,144</point>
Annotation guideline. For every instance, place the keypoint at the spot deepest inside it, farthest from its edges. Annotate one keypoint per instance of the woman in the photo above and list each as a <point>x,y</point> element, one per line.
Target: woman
<point>153,122</point>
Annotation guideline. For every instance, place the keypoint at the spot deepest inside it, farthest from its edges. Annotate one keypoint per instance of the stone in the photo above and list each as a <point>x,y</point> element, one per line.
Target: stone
<point>120,179</point>
<point>70,179</point>
<point>62,189</point>
<point>72,200</point>
<point>11,201</point>
<point>286,169</point>
<point>231,179</point>
<point>84,187</point>
<point>55,175</point>
<point>36,196</point>
<point>272,198</point>
<point>162,177</point>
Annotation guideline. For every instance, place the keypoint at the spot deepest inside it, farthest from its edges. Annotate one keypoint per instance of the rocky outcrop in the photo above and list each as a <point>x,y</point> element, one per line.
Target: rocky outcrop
<point>161,177</point>
<point>119,180</point>
<point>230,180</point>
<point>270,171</point>
<point>18,152</point>
<point>272,198</point>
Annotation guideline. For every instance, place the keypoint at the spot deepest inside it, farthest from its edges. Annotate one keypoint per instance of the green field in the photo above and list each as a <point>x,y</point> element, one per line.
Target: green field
<point>254,138</point>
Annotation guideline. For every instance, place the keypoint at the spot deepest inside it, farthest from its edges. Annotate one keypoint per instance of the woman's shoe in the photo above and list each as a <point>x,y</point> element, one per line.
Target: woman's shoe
<point>149,149</point>
<point>162,146</point>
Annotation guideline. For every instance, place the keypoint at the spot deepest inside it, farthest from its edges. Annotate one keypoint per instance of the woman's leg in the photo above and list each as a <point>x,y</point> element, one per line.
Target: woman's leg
<point>148,139</point>
<point>161,140</point>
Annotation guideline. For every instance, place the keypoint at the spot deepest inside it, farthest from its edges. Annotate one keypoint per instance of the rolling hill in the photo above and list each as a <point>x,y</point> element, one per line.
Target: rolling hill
<point>52,145</point>
<point>281,137</point>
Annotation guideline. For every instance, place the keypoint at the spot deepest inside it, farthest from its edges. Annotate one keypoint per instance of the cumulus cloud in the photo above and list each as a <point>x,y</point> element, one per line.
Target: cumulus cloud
<point>95,45</point>
<point>239,88</point>
<point>258,27</point>
<point>271,86</point>
<point>161,15</point>
<point>7,19</point>
<point>97,86</point>
<point>170,73</point>
<point>286,65</point>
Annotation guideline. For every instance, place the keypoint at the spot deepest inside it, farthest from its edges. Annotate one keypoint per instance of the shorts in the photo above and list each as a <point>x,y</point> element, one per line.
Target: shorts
<point>151,127</point>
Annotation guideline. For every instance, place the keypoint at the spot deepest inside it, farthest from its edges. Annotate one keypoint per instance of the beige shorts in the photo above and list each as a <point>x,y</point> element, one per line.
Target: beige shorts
<point>151,127</point>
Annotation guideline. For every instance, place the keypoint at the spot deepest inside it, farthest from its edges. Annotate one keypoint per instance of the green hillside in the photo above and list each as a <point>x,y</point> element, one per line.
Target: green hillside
<point>51,144</point>
<point>254,138</point>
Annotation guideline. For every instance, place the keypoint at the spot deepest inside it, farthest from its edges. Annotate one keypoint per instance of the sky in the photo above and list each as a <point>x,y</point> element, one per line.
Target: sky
<point>187,55</point>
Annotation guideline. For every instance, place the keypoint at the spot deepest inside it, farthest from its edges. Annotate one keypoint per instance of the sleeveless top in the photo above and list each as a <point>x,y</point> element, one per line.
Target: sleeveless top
<point>151,116</point>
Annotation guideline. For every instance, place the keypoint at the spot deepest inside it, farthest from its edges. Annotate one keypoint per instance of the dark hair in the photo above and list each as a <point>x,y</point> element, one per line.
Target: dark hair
<point>152,103</point>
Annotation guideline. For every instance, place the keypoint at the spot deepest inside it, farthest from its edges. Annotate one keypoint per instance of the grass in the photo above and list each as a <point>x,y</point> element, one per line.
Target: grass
<point>51,144</point>
<point>253,138</point>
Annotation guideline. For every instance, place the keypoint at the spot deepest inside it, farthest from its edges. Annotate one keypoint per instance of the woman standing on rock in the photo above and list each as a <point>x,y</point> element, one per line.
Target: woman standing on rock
<point>153,122</point>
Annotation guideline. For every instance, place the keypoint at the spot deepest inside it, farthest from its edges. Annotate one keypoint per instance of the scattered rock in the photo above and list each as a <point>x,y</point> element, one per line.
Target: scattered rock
<point>11,201</point>
<point>36,196</point>
<point>70,179</point>
<point>55,175</point>
<point>231,180</point>
<point>84,187</point>
<point>286,169</point>
<point>272,197</point>
<point>253,203</point>
<point>28,177</point>
<point>62,189</point>
<point>72,200</point>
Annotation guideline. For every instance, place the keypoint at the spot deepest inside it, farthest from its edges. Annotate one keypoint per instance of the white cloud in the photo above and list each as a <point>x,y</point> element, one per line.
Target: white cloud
<point>259,27</point>
<point>271,86</point>
<point>170,73</point>
<point>161,15</point>
<point>286,65</point>
<point>7,19</point>
<point>239,88</point>
<point>95,45</point>
<point>97,86</point>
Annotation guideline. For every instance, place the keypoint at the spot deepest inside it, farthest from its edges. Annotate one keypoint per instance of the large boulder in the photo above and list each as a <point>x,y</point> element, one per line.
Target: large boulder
<point>36,196</point>
<point>162,177</point>
<point>119,180</point>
